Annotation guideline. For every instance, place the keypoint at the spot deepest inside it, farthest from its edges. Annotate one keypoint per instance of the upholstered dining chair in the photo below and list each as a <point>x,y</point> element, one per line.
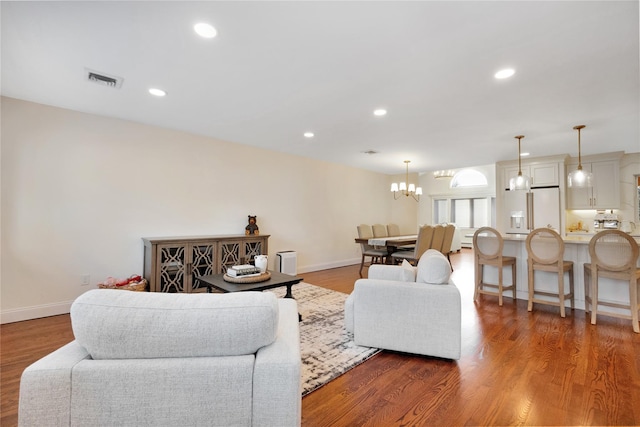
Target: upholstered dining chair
<point>487,250</point>
<point>423,242</point>
<point>393,230</point>
<point>449,231</point>
<point>380,230</point>
<point>614,255</point>
<point>438,238</point>
<point>377,255</point>
<point>545,250</point>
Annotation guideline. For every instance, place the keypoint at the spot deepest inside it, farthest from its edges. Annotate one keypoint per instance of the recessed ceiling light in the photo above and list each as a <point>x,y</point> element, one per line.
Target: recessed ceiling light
<point>157,92</point>
<point>380,112</point>
<point>308,135</point>
<point>504,74</point>
<point>524,154</point>
<point>205,30</point>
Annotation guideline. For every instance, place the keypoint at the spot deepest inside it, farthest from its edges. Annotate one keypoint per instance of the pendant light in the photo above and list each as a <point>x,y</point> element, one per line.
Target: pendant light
<point>520,182</point>
<point>402,189</point>
<point>579,178</point>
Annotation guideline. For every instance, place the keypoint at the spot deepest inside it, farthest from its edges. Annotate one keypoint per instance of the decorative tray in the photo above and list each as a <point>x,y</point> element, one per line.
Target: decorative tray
<point>251,279</point>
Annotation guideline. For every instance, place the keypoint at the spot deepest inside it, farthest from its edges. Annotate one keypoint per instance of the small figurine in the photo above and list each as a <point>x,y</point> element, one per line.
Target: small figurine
<point>252,228</point>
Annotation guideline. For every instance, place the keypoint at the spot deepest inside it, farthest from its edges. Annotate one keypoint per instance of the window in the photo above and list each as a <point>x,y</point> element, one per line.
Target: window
<point>465,212</point>
<point>461,213</point>
<point>440,211</point>
<point>468,178</point>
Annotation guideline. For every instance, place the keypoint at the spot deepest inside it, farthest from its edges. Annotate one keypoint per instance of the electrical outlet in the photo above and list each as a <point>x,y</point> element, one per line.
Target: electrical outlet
<point>85,280</point>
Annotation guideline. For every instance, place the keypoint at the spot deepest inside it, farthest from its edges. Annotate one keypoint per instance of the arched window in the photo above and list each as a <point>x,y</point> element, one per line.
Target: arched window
<point>468,178</point>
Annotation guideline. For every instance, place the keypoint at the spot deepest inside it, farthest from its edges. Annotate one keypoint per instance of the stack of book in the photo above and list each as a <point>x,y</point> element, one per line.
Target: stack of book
<point>245,270</point>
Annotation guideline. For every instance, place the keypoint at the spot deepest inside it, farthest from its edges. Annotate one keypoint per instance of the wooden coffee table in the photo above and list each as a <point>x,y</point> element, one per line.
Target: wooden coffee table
<point>275,281</point>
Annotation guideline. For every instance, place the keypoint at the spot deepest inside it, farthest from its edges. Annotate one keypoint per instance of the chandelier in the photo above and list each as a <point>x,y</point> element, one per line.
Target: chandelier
<point>579,178</point>
<point>444,174</point>
<point>403,190</point>
<point>520,182</point>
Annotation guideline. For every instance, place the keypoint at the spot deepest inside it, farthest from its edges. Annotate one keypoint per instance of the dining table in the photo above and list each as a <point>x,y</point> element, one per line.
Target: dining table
<point>391,243</point>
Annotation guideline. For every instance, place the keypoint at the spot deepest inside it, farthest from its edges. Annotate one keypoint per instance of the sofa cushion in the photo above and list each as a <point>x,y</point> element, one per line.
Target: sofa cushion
<point>433,268</point>
<point>408,272</point>
<point>114,324</point>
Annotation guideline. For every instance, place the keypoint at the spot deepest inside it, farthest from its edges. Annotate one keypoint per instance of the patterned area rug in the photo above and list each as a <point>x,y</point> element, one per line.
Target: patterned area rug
<point>327,349</point>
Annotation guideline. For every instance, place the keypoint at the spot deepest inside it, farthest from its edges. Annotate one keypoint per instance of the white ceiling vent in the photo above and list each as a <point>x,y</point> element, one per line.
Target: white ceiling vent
<point>103,79</point>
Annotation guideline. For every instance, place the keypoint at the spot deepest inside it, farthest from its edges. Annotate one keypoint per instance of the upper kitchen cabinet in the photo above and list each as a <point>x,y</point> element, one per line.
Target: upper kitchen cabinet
<point>541,174</point>
<point>605,193</point>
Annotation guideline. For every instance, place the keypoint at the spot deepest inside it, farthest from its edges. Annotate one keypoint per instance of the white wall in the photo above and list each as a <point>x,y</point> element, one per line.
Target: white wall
<point>79,192</point>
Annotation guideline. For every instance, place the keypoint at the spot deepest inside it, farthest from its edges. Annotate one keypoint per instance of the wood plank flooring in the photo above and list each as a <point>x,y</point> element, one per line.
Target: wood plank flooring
<point>517,368</point>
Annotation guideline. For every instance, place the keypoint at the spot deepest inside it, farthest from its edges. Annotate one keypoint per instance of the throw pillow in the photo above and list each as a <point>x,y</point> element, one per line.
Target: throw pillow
<point>433,268</point>
<point>408,272</point>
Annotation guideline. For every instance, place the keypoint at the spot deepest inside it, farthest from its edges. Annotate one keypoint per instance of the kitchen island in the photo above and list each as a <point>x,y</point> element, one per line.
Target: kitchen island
<point>576,250</point>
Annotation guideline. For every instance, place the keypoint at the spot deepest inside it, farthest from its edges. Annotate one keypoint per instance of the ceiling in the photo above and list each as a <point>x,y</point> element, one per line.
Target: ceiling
<point>279,69</point>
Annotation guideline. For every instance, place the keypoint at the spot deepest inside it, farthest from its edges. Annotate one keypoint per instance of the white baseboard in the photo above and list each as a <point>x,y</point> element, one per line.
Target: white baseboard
<point>34,312</point>
<point>328,265</point>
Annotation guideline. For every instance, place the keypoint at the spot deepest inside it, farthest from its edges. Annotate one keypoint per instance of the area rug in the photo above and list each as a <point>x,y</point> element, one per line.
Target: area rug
<point>327,348</point>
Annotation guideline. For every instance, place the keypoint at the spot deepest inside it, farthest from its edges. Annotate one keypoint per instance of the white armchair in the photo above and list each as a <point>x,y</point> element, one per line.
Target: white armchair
<point>408,309</point>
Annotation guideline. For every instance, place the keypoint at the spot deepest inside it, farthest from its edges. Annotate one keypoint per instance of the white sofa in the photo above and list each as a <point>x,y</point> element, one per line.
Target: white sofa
<point>156,359</point>
<point>408,309</point>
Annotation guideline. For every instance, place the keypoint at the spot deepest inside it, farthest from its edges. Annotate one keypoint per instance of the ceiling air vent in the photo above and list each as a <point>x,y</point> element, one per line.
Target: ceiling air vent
<point>103,79</point>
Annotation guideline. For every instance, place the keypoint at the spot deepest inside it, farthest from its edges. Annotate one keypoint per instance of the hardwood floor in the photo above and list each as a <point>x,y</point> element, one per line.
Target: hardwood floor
<point>517,368</point>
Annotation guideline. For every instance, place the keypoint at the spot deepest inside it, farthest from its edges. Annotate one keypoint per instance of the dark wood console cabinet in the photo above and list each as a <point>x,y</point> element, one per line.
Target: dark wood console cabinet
<point>173,264</point>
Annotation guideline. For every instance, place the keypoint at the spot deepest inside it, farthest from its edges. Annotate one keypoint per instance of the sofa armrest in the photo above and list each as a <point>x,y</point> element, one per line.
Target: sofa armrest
<point>409,317</point>
<point>277,399</point>
<point>45,387</point>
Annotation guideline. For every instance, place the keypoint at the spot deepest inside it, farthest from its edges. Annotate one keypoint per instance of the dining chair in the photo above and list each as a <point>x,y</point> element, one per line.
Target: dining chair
<point>423,242</point>
<point>393,230</point>
<point>487,249</point>
<point>614,255</point>
<point>380,230</point>
<point>365,232</point>
<point>438,238</point>
<point>545,250</point>
<point>449,231</point>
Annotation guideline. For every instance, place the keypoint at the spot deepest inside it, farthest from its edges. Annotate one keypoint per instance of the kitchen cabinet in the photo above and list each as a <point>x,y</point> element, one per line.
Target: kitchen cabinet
<point>173,264</point>
<point>605,193</point>
<point>541,174</point>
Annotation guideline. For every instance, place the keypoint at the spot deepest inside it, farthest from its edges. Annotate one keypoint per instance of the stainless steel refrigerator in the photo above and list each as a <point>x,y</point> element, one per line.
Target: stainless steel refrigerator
<point>527,210</point>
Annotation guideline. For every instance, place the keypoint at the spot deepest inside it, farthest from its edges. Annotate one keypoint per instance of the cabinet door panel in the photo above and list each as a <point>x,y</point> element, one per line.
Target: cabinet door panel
<point>544,175</point>
<point>171,273</point>
<point>579,198</point>
<point>202,263</point>
<point>251,249</point>
<point>606,185</point>
<point>605,193</point>
<point>512,172</point>
<point>230,255</point>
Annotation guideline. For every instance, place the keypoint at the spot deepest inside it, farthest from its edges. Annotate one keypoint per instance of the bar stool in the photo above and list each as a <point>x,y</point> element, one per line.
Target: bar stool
<point>546,251</point>
<point>487,249</point>
<point>614,255</point>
